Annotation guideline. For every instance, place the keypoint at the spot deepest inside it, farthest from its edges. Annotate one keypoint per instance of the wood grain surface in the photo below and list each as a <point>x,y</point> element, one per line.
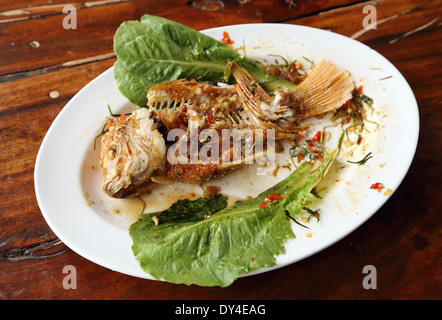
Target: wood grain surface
<point>42,65</point>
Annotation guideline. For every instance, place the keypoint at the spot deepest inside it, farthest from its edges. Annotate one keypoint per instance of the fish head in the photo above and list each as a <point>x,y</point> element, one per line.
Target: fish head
<point>131,151</point>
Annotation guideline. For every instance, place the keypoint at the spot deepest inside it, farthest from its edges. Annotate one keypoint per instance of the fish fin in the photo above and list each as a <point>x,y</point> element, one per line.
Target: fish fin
<point>325,89</point>
<point>252,95</point>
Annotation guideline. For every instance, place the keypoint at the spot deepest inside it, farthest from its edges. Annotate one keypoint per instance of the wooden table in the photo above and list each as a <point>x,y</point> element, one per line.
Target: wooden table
<point>42,65</point>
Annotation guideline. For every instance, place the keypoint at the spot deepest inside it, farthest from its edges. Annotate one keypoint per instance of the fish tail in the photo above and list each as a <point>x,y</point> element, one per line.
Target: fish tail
<point>325,89</point>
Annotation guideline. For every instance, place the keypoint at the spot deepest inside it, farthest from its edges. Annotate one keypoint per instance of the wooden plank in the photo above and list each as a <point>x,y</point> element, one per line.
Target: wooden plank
<point>61,83</point>
<point>36,43</point>
<point>11,11</point>
<point>394,18</point>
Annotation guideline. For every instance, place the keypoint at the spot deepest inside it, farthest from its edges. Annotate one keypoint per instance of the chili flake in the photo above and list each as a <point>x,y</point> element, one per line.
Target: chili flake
<point>226,38</point>
<point>377,186</point>
<point>271,198</point>
<point>316,137</point>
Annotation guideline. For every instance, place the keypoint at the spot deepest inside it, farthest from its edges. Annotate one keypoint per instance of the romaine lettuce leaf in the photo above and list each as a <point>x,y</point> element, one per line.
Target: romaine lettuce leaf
<point>154,50</point>
<point>213,250</point>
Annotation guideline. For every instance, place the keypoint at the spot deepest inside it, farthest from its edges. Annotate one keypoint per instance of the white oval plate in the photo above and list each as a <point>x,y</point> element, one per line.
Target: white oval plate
<point>68,178</point>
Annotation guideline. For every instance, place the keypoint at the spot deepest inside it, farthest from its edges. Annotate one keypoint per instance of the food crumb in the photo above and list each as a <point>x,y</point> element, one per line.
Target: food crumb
<point>211,191</point>
<point>388,192</point>
<point>309,234</point>
<point>116,211</point>
<point>155,220</point>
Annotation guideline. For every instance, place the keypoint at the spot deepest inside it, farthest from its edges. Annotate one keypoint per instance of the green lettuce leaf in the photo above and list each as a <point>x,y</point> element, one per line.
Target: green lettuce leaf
<point>154,50</point>
<point>215,249</point>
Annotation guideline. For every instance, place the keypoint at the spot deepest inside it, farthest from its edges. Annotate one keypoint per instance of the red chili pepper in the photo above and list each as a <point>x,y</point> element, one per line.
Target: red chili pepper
<point>209,119</point>
<point>274,196</point>
<point>263,204</point>
<point>346,121</point>
<point>346,105</point>
<point>226,38</point>
<point>316,152</point>
<point>377,186</point>
<point>316,137</point>
<point>360,89</point>
<point>123,117</point>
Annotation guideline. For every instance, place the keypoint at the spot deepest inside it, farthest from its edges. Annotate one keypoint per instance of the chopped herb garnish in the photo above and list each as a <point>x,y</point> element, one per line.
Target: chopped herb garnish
<point>314,214</point>
<point>354,113</point>
<point>307,151</point>
<point>116,114</point>
<point>312,149</point>
<point>111,113</point>
<point>363,161</point>
<point>279,56</point>
<point>294,220</point>
<point>310,61</point>
<point>144,204</point>
<point>385,78</point>
<point>103,131</point>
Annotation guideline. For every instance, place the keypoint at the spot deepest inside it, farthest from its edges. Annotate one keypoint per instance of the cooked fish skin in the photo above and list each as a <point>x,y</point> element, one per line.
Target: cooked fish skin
<point>131,151</point>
